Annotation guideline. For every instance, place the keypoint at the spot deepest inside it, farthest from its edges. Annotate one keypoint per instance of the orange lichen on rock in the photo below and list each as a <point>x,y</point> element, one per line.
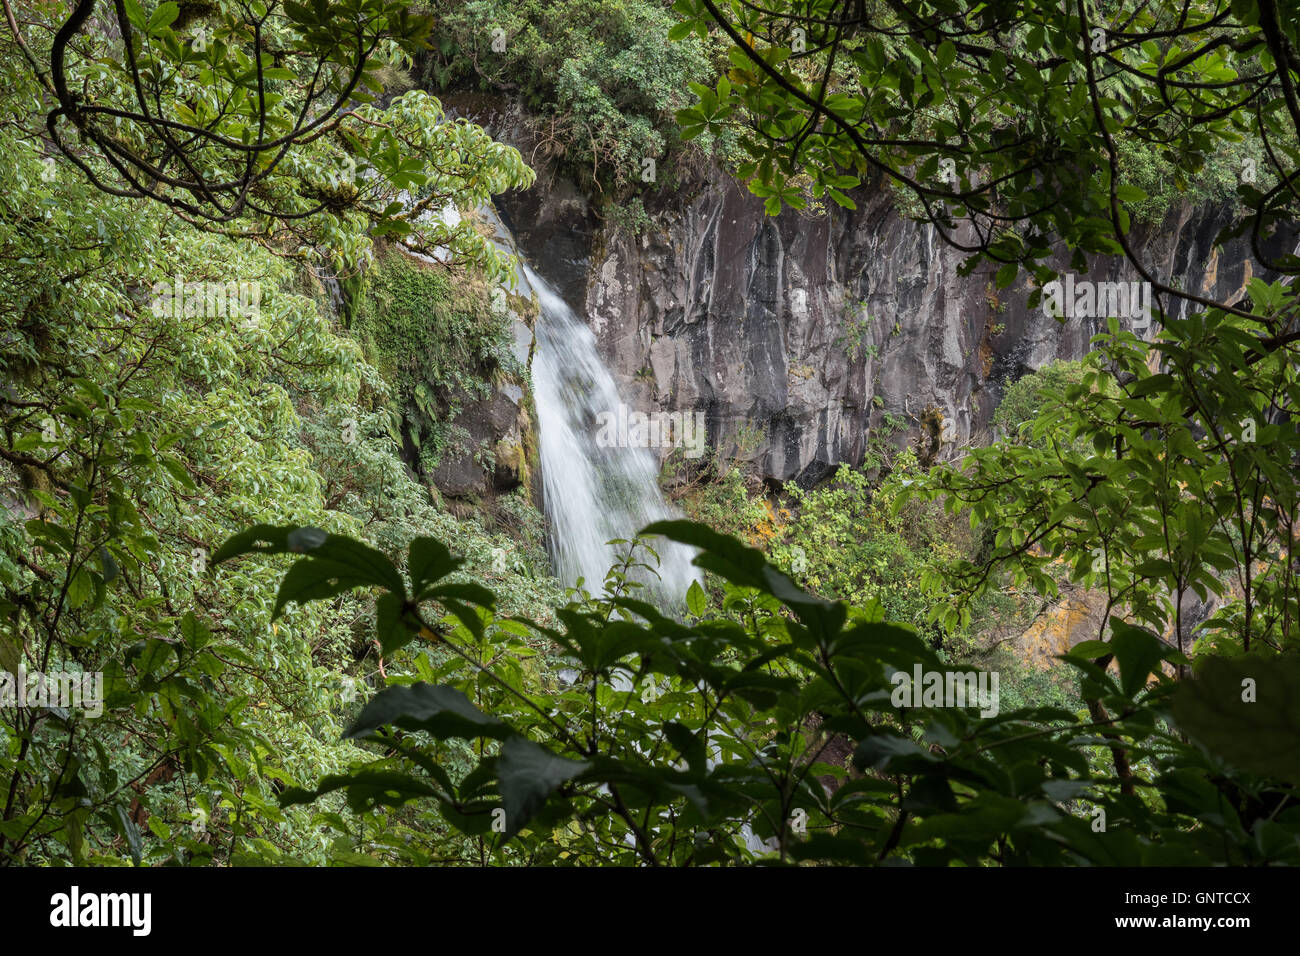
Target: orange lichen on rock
<point>1075,618</point>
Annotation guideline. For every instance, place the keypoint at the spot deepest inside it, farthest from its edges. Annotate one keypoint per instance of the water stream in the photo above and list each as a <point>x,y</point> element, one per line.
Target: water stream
<point>594,494</point>
<point>596,491</point>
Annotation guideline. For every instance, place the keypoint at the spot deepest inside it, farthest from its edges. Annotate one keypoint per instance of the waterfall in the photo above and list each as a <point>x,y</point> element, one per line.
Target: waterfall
<point>593,493</point>
<point>597,491</point>
<point>333,290</point>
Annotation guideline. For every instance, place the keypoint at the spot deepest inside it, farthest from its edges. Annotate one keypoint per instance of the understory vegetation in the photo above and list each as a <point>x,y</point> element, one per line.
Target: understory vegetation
<point>141,430</point>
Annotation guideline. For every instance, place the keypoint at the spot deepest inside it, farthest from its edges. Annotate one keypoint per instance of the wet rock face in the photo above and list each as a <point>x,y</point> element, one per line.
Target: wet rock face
<point>495,423</point>
<point>800,337</point>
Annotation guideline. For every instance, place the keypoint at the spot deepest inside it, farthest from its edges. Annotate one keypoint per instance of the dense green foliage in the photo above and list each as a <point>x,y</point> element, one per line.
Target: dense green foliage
<point>139,433</point>
<point>1170,469</point>
<point>1023,400</point>
<point>690,744</point>
<point>1025,124</point>
<point>854,547</point>
<point>307,659</point>
<point>262,121</point>
<point>1156,485</point>
<point>598,74</point>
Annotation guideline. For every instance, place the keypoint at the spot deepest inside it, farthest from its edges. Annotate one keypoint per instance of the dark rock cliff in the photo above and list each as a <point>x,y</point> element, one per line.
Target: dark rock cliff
<point>800,336</point>
<point>806,334</point>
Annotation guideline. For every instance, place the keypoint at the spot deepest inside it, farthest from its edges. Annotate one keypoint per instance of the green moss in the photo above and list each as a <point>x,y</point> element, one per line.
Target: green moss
<point>435,342</point>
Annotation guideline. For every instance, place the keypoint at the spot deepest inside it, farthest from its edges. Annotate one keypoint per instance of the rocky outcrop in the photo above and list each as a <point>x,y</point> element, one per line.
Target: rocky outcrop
<point>800,337</point>
<point>409,324</point>
<point>497,447</point>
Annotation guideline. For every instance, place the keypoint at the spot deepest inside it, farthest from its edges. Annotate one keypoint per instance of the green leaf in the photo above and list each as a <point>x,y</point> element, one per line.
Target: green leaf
<point>735,562</point>
<point>178,471</point>
<point>391,626</point>
<point>841,200</point>
<point>1259,735</point>
<point>153,656</point>
<point>194,632</point>
<point>1129,193</point>
<point>334,563</point>
<point>1153,383</point>
<point>135,14</point>
<point>887,751</point>
<point>131,833</point>
<point>306,539</point>
<point>528,774</point>
<point>164,16</point>
<point>108,566</point>
<point>980,820</point>
<point>335,567</point>
<point>463,591</point>
<point>81,588</point>
<point>441,711</point>
<point>680,31</point>
<point>367,789</point>
<point>428,560</point>
<point>696,601</point>
<point>688,744</point>
<point>1090,650</point>
<point>1138,653</point>
<point>259,539</point>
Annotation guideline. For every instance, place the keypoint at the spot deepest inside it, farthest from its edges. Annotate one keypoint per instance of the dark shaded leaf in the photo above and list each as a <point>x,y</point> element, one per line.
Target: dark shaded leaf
<point>528,775</point>
<point>1262,736</point>
<point>441,711</point>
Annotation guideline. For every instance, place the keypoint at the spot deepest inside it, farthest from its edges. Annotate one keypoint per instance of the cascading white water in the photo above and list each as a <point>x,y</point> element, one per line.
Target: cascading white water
<point>593,493</point>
